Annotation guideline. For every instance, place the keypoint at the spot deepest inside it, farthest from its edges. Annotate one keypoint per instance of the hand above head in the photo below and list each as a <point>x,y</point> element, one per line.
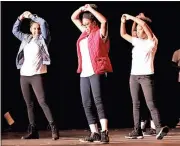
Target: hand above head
<point>127,16</point>
<point>141,15</point>
<point>21,17</point>
<point>123,19</point>
<point>82,8</point>
<point>87,7</point>
<point>27,14</point>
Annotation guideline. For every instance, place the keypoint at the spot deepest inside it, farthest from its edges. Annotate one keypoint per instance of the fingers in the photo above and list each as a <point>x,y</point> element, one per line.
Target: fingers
<point>123,19</point>
<point>26,14</point>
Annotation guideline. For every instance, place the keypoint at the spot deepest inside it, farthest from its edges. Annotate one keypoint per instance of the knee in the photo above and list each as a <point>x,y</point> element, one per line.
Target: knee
<point>86,103</point>
<point>42,102</point>
<point>136,104</point>
<point>30,105</point>
<point>151,105</point>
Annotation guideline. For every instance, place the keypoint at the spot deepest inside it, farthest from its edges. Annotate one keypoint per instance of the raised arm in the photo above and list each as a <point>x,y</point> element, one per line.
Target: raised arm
<point>100,18</point>
<point>175,59</point>
<point>16,28</point>
<point>133,29</point>
<point>76,20</point>
<point>123,32</point>
<point>143,24</point>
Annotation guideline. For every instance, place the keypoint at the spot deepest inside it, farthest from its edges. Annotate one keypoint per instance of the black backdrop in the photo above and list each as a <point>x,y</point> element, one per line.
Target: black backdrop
<point>62,82</point>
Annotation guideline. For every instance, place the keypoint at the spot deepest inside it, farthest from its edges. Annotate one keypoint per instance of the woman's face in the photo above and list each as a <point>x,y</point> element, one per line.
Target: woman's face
<point>88,24</point>
<point>35,29</point>
<point>140,32</point>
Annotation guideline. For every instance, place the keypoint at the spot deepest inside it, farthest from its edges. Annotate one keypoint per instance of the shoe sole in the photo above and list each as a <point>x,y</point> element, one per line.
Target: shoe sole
<point>139,137</point>
<point>29,138</point>
<point>163,132</point>
<point>104,142</point>
<point>89,141</point>
<point>149,135</point>
<point>55,138</point>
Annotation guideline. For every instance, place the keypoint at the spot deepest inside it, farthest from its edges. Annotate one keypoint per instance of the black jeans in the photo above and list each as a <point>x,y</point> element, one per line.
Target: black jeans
<point>93,83</point>
<point>146,82</point>
<point>36,82</point>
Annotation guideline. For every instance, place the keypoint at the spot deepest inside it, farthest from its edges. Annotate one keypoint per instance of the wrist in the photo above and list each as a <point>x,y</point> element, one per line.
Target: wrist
<point>123,21</point>
<point>30,15</point>
<point>20,18</point>
<point>90,9</point>
<point>81,9</point>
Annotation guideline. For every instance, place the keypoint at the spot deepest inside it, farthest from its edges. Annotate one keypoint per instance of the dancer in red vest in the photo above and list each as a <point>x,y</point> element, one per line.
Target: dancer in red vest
<point>93,64</point>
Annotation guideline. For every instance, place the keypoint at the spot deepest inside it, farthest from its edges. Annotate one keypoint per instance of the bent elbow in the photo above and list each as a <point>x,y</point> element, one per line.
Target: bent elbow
<point>13,31</point>
<point>122,34</point>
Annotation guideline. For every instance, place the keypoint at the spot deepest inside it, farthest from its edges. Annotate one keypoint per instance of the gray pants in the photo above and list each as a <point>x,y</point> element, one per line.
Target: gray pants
<point>37,84</point>
<point>93,83</point>
<point>146,82</point>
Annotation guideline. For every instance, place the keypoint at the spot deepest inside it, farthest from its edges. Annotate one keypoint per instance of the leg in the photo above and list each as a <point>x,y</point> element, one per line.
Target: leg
<point>147,83</point>
<point>145,116</point>
<point>25,87</point>
<point>25,82</point>
<point>37,85</point>
<point>134,89</point>
<point>87,104</point>
<point>86,99</point>
<point>96,86</point>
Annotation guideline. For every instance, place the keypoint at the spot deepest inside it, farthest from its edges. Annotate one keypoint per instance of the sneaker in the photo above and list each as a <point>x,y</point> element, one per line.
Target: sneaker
<point>162,132</point>
<point>178,124</point>
<point>150,132</point>
<point>93,137</point>
<point>135,134</point>
<point>104,137</point>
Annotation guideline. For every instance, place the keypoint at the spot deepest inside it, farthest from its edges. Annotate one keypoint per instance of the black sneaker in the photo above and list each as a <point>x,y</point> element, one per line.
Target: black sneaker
<point>150,132</point>
<point>135,134</point>
<point>162,132</point>
<point>93,137</point>
<point>104,137</point>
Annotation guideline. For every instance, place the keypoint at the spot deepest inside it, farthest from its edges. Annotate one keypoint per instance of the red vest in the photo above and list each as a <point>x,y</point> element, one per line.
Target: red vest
<point>98,50</point>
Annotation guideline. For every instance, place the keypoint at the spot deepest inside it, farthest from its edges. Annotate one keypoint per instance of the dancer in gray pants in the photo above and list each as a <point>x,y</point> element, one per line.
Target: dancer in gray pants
<point>32,59</point>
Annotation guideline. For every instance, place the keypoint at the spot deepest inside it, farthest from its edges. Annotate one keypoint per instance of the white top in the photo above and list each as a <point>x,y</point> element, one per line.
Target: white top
<point>143,56</point>
<point>87,68</point>
<point>33,63</point>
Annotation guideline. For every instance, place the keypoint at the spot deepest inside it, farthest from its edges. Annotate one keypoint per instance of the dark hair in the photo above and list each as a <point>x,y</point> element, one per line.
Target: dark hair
<point>89,15</point>
<point>32,22</point>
